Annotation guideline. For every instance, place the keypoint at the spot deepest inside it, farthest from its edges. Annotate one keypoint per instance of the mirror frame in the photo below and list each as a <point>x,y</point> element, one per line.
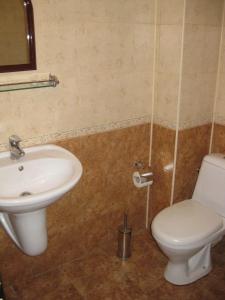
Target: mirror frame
<point>31,44</point>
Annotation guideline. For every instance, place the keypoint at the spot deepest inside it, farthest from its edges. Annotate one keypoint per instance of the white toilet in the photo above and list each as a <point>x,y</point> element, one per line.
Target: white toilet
<point>186,231</point>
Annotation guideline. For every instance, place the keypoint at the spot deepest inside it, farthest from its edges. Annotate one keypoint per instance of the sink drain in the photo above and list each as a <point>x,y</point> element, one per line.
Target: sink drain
<point>24,194</point>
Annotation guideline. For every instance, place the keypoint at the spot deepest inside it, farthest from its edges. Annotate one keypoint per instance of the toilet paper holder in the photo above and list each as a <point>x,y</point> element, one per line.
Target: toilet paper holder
<point>142,180</point>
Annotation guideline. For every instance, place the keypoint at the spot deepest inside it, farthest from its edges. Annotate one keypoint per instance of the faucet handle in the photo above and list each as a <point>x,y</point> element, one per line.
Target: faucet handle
<point>14,139</point>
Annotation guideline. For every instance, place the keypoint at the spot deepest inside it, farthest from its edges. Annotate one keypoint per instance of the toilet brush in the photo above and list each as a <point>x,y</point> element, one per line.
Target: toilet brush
<point>124,239</point>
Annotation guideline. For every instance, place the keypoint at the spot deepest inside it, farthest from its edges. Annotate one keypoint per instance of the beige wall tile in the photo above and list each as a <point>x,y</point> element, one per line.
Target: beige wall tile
<point>204,12</point>
<point>141,11</point>
<point>102,53</point>
<point>220,100</point>
<point>143,51</point>
<point>201,49</point>
<point>170,12</point>
<point>222,58</point>
<point>170,15</point>
<point>193,48</point>
<point>197,99</point>
<point>165,112</point>
<point>212,46</point>
<point>169,48</point>
<point>200,62</point>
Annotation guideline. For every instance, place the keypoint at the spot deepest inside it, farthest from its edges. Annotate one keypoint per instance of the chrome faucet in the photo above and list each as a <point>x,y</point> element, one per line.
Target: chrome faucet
<point>16,152</point>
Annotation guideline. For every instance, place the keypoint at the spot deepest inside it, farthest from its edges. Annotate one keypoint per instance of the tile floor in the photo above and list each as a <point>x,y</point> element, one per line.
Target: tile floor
<point>101,275</point>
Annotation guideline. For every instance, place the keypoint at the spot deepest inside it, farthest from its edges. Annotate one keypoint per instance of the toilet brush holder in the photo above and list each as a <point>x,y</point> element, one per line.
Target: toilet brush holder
<point>124,240</point>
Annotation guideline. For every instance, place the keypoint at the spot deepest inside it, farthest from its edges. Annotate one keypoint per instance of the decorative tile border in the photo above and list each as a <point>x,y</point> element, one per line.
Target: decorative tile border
<point>220,120</point>
<point>56,136</point>
<point>193,124</point>
<point>164,123</point>
<point>182,125</point>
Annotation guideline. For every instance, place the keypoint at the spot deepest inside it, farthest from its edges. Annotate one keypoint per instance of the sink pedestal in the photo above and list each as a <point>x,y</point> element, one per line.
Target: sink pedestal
<point>28,230</point>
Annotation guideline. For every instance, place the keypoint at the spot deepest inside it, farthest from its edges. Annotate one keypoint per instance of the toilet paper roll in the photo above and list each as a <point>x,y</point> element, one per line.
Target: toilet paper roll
<point>140,180</point>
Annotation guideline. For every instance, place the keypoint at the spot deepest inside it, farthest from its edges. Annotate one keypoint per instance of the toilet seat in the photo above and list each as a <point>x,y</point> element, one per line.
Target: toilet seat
<point>185,223</point>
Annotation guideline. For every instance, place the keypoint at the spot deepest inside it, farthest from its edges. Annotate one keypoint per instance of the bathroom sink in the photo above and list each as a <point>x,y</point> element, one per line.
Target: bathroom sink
<point>37,179</point>
<point>30,180</point>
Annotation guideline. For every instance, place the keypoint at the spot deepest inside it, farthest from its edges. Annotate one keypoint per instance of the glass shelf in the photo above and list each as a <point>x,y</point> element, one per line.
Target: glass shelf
<point>51,82</point>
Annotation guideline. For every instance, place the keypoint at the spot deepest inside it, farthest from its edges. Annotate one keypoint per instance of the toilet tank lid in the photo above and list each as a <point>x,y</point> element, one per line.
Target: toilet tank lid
<point>216,159</point>
<point>185,223</point>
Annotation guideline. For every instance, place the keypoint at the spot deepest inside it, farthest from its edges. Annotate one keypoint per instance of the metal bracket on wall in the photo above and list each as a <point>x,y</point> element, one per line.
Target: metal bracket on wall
<point>139,164</point>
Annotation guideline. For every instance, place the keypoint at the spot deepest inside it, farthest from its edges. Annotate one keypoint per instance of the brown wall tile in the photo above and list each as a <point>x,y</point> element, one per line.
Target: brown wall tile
<point>193,145</point>
<point>89,215</point>
<point>219,139</point>
<point>162,155</point>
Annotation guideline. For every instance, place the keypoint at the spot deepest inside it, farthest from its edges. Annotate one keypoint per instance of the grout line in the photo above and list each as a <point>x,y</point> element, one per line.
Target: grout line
<point>153,82</point>
<point>152,111</point>
<point>147,208</point>
<point>217,82</point>
<point>178,106</point>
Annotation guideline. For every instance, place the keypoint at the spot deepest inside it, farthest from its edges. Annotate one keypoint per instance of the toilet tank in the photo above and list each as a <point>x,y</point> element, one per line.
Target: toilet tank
<point>210,186</point>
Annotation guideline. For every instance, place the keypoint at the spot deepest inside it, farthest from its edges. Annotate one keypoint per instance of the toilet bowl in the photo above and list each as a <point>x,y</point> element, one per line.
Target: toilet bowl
<point>186,231</point>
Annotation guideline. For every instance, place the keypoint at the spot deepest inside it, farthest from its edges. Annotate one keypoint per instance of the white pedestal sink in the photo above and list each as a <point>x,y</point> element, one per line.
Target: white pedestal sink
<point>28,186</point>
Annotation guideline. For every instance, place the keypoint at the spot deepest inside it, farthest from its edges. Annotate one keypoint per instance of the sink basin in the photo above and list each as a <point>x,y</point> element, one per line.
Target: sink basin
<point>38,179</point>
<point>28,186</point>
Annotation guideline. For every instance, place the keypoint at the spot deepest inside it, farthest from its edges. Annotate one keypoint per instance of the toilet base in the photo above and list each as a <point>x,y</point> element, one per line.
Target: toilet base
<point>187,271</point>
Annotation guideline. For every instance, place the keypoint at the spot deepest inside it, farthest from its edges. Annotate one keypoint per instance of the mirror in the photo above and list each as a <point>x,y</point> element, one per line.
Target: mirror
<point>17,41</point>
